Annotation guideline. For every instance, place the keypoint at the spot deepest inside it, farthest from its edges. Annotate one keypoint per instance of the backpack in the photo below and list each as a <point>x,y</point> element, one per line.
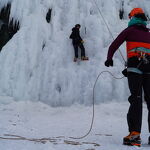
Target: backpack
<point>71,36</point>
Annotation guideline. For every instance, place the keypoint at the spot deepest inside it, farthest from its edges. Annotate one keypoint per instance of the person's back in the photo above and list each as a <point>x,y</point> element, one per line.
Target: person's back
<point>75,36</point>
<point>136,35</point>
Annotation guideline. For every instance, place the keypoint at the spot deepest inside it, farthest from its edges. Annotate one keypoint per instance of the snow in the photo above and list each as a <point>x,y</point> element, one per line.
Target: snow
<point>37,63</point>
<point>44,94</point>
<point>38,120</point>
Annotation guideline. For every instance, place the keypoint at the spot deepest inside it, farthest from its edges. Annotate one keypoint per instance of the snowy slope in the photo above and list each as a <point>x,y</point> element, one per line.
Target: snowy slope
<point>36,69</point>
<point>58,124</point>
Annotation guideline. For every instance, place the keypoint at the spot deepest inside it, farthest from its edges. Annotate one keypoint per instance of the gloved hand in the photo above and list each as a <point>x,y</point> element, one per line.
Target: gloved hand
<point>82,41</point>
<point>109,62</point>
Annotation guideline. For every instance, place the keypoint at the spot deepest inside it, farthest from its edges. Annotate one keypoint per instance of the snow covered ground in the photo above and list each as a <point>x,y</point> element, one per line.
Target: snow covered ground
<point>38,120</point>
<point>39,80</point>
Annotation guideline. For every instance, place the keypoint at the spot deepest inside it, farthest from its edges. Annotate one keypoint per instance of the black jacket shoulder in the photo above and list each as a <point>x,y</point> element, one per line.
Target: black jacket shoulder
<point>75,35</point>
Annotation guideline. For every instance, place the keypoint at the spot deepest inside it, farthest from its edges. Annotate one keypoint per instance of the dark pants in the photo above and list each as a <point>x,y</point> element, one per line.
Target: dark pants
<point>76,50</point>
<point>137,83</point>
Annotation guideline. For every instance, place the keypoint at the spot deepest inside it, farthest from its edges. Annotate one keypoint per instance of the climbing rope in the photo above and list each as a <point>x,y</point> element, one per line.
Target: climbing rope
<point>93,113</point>
<point>43,140</point>
<point>108,29</point>
<point>93,103</point>
<point>54,139</point>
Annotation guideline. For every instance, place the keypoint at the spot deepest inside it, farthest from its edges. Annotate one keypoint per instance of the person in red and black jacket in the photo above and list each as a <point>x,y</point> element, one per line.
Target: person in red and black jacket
<point>137,37</point>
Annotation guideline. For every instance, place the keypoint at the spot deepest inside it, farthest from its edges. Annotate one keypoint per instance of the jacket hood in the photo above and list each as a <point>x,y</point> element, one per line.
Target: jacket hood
<point>74,29</point>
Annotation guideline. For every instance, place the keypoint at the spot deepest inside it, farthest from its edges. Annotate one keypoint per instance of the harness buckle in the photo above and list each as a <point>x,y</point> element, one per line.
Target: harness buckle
<point>144,57</point>
<point>146,60</point>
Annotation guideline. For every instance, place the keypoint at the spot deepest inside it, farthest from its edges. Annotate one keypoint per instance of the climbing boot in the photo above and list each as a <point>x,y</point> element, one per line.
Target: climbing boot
<point>75,59</point>
<point>133,139</point>
<point>84,58</point>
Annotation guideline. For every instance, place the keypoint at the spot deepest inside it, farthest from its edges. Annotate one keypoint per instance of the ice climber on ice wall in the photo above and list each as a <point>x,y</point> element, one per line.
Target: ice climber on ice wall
<point>137,37</point>
<point>77,42</point>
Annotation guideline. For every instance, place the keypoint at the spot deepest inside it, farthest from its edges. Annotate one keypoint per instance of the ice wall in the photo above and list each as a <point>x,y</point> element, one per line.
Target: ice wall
<point>37,63</point>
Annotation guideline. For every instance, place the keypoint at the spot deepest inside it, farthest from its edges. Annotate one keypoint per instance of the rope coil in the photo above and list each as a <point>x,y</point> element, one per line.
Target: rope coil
<point>93,103</point>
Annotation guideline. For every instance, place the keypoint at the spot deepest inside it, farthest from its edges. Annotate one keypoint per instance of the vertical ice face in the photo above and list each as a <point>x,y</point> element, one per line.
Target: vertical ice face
<point>37,63</point>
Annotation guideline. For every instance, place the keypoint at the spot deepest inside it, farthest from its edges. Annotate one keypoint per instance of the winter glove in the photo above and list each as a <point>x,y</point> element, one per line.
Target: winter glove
<point>109,62</point>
